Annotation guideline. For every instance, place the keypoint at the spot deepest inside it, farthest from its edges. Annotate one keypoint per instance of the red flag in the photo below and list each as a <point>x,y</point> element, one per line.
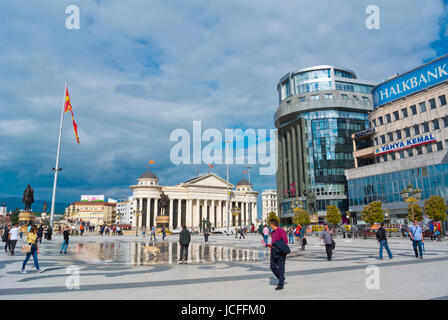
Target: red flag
<point>68,107</point>
<point>245,171</point>
<point>211,166</point>
<point>151,162</point>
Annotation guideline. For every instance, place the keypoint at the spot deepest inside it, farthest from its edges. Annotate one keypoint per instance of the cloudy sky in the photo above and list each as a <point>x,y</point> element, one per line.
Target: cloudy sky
<point>139,69</point>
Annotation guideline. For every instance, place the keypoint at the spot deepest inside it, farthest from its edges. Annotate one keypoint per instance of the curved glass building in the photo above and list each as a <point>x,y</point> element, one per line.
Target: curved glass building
<point>319,109</point>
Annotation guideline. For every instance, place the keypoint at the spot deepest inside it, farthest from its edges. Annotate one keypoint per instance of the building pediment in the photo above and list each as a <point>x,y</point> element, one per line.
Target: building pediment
<point>210,180</point>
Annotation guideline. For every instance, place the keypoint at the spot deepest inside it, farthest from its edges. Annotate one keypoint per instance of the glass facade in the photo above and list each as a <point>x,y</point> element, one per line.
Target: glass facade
<point>330,152</point>
<point>353,87</point>
<point>433,180</point>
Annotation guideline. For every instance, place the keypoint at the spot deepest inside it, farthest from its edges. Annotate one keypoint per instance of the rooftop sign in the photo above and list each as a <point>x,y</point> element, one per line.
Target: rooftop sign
<point>426,76</point>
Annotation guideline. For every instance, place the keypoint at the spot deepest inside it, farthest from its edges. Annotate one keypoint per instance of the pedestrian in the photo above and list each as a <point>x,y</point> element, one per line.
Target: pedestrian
<point>153,233</point>
<point>5,237</point>
<point>66,235</point>
<point>382,240</point>
<point>242,233</point>
<point>31,239</point>
<point>266,235</point>
<point>163,233</point>
<point>327,237</point>
<point>343,231</point>
<point>184,242</point>
<point>143,232</point>
<point>416,235</point>
<point>206,234</point>
<point>81,229</point>
<point>302,238</point>
<point>50,233</point>
<point>291,234</point>
<point>297,232</point>
<point>13,236</point>
<point>40,233</point>
<point>279,250</point>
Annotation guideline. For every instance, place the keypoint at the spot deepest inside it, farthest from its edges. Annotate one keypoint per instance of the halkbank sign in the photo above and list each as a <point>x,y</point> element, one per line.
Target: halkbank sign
<point>428,75</point>
<point>408,143</point>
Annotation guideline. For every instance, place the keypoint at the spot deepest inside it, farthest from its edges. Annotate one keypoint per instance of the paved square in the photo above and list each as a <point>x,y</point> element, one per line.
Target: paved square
<point>228,268</point>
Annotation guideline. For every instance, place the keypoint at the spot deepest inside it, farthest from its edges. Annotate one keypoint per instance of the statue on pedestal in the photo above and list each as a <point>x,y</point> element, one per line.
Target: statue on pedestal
<point>28,198</point>
<point>164,204</point>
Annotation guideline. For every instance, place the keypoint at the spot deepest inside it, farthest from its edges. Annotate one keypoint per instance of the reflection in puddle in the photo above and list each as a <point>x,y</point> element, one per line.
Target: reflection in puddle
<point>141,253</point>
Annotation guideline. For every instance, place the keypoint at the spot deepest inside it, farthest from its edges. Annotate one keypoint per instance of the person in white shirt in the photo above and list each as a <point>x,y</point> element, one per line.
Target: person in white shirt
<point>13,237</point>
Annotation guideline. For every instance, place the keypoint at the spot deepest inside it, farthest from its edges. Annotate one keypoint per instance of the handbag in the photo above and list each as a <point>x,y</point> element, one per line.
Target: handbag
<point>333,244</point>
<point>26,248</point>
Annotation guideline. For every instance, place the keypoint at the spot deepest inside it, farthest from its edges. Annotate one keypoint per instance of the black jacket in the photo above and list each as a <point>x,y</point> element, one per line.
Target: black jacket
<point>184,237</point>
<point>381,234</point>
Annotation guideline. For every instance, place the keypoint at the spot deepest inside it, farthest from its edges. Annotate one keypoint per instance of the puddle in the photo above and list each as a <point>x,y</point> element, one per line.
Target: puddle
<point>160,253</point>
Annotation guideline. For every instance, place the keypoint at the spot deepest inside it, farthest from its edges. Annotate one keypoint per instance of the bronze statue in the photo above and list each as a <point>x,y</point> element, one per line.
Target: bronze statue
<point>164,204</point>
<point>45,207</point>
<point>28,198</point>
<point>311,201</point>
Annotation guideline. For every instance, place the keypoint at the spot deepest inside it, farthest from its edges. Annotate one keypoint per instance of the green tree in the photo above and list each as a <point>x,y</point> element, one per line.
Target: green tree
<point>435,208</point>
<point>15,216</point>
<point>373,213</point>
<point>272,215</point>
<point>301,216</point>
<point>415,212</point>
<point>333,215</point>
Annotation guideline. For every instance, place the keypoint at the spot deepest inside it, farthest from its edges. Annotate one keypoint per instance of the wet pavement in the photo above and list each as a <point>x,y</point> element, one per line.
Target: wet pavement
<point>143,253</point>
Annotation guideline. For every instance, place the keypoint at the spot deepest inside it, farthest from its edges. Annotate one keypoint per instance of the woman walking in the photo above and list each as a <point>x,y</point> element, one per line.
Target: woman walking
<point>31,239</point>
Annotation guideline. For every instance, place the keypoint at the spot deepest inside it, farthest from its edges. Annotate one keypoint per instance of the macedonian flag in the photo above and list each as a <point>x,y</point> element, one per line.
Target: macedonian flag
<point>67,108</point>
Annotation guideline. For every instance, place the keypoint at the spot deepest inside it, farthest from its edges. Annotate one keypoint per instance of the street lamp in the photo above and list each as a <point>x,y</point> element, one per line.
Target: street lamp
<point>137,214</point>
<point>250,206</point>
<point>411,195</point>
<point>236,212</point>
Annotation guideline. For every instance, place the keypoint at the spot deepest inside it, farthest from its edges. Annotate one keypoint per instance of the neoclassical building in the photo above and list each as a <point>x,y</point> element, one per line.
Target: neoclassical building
<point>203,197</point>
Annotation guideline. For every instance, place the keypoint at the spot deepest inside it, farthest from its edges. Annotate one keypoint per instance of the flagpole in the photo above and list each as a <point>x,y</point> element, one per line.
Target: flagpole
<point>56,169</point>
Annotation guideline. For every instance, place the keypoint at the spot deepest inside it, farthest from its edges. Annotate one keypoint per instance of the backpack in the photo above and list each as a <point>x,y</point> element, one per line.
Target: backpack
<point>379,236</point>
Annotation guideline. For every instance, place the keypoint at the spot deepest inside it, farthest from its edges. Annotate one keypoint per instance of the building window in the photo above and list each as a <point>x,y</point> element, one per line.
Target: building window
<point>398,133</point>
<point>355,97</point>
<point>416,129</point>
<point>410,152</point>
<point>419,150</point>
<point>439,146</point>
<point>442,100</point>
<point>414,110</point>
<point>376,141</point>
<point>401,154</point>
<point>373,123</point>
<point>383,139</point>
<point>422,106</point>
<point>365,99</point>
<point>344,96</point>
<point>445,121</point>
<point>396,116</point>
<point>315,97</point>
<point>446,143</point>
<point>302,99</point>
<point>428,148</point>
<point>388,118</point>
<point>432,103</point>
<point>385,157</point>
<point>407,132</point>
<point>380,120</point>
<point>392,155</point>
<point>390,136</point>
<point>404,112</point>
<point>328,96</point>
<point>435,124</point>
<point>425,127</point>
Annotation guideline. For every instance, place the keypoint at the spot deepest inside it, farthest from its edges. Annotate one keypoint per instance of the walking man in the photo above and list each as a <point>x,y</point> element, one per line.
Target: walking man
<point>328,241</point>
<point>13,237</point>
<point>40,233</point>
<point>153,233</point>
<point>206,234</point>
<point>5,237</point>
<point>242,233</point>
<point>184,242</point>
<point>291,234</point>
<point>66,235</point>
<point>416,234</point>
<point>382,239</point>
<point>163,233</point>
<point>278,258</point>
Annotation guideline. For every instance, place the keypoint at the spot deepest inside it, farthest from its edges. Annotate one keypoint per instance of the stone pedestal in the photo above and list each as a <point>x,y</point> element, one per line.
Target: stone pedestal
<point>162,221</point>
<point>26,218</point>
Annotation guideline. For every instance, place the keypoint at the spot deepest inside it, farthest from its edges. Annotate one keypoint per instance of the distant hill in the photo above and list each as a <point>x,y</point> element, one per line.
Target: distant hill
<point>37,206</point>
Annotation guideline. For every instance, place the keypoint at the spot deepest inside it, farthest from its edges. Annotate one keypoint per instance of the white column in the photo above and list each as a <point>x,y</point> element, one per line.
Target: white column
<point>156,208</point>
<point>219,217</point>
<point>179,215</point>
<point>212,213</point>
<point>196,221</point>
<point>134,217</point>
<point>189,213</point>
<point>148,210</point>
<point>171,214</point>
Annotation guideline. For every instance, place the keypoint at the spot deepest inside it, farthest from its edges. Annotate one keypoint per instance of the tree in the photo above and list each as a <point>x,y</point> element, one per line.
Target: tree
<point>333,215</point>
<point>415,212</point>
<point>301,216</point>
<point>15,216</point>
<point>373,213</point>
<point>272,215</point>
<point>435,208</point>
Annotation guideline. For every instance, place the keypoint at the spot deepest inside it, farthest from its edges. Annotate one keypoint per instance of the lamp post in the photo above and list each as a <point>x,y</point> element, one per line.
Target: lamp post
<point>227,190</point>
<point>250,206</point>
<point>411,195</point>
<point>236,212</point>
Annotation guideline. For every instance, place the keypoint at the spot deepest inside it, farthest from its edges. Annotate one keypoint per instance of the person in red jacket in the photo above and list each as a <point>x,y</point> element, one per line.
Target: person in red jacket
<point>278,260</point>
